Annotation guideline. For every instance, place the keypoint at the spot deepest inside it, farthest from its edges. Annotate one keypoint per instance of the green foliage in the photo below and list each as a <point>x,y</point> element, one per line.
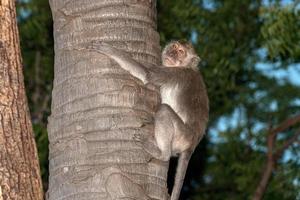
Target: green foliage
<point>280,32</point>
<point>235,169</point>
<point>35,26</point>
<point>235,161</point>
<point>232,38</point>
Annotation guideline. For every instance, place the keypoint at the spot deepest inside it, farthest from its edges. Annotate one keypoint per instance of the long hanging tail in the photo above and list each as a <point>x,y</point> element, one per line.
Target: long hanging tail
<point>183,162</point>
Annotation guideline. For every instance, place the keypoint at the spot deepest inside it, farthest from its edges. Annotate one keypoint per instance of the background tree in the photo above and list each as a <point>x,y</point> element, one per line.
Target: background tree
<point>19,167</point>
<point>250,53</point>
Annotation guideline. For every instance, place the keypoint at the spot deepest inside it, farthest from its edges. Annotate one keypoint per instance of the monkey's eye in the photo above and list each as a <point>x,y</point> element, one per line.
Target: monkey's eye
<point>175,46</point>
<point>181,52</point>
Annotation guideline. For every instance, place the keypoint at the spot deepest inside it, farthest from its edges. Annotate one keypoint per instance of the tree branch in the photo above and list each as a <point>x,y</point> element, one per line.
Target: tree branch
<point>286,144</point>
<point>285,124</point>
<point>273,157</point>
<point>268,168</point>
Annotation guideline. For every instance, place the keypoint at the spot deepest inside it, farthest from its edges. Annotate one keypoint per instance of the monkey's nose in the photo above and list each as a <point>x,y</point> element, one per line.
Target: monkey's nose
<point>173,54</point>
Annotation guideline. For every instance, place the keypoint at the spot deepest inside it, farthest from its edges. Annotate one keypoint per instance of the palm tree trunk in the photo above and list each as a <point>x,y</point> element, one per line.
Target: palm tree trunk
<point>19,166</point>
<point>97,107</point>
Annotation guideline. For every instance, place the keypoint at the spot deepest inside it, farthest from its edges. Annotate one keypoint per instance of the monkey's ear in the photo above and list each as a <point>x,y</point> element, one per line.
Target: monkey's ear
<point>195,62</point>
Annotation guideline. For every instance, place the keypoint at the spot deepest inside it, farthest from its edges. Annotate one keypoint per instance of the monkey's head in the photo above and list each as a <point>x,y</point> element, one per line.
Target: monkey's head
<point>180,54</point>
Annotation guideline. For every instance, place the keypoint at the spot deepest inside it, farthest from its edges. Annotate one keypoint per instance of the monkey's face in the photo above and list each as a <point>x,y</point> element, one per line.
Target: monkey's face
<point>179,54</point>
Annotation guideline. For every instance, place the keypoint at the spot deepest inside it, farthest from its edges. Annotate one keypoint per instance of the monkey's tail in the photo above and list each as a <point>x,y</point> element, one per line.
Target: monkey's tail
<point>183,162</point>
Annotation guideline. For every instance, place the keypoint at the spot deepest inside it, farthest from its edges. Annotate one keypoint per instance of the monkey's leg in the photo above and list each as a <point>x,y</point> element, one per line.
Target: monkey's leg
<point>164,130</point>
<point>171,136</point>
<point>169,125</point>
<point>159,146</point>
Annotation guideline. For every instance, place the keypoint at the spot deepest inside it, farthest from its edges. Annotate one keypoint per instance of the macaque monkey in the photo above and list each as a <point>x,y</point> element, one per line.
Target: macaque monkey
<point>181,119</point>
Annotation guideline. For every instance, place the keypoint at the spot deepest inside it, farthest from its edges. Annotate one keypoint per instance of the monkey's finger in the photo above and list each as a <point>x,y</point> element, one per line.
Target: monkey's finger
<point>137,137</point>
<point>139,143</point>
<point>99,46</point>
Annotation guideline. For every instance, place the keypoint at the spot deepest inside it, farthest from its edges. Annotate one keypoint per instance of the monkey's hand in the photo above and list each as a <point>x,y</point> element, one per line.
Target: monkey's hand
<point>103,48</point>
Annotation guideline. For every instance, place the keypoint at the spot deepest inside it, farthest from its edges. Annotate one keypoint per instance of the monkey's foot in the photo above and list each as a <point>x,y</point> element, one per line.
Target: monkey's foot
<point>146,120</point>
<point>149,145</point>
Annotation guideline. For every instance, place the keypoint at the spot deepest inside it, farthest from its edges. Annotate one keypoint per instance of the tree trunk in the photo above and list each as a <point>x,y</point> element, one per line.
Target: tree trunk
<point>19,167</point>
<point>97,107</point>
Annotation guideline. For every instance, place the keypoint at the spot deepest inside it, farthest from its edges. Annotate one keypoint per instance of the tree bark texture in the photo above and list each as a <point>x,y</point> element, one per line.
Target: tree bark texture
<point>97,107</point>
<point>19,166</point>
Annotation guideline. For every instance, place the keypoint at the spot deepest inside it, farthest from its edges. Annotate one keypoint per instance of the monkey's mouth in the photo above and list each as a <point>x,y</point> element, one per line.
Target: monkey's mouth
<point>169,61</point>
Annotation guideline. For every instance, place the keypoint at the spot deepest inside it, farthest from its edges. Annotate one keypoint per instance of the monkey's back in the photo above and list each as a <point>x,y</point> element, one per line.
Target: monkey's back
<point>184,91</point>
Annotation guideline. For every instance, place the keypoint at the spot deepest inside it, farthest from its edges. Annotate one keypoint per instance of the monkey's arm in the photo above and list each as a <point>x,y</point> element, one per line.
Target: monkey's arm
<point>122,58</point>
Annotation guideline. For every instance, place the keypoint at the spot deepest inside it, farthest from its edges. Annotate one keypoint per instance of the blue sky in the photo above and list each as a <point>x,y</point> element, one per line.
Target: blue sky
<point>291,74</point>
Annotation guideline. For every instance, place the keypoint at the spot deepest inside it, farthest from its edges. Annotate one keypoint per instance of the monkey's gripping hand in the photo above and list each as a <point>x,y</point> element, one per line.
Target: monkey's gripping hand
<point>102,47</point>
<point>122,58</point>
